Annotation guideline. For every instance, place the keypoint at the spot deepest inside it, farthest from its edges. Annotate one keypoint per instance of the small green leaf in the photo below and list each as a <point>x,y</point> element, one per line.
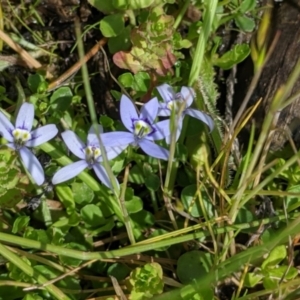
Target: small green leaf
<point>103,6</point>
<point>190,201</point>
<point>120,42</point>
<point>61,99</point>
<point>83,194</point>
<point>136,4</point>
<point>277,255</point>
<point>34,82</point>
<point>252,279</point>
<point>112,26</point>
<point>136,175</point>
<point>152,182</point>
<point>233,57</point>
<point>126,79</point>
<point>106,121</point>
<point>134,205</point>
<point>92,215</point>
<point>20,223</point>
<point>193,265</point>
<point>118,270</point>
<point>244,23</point>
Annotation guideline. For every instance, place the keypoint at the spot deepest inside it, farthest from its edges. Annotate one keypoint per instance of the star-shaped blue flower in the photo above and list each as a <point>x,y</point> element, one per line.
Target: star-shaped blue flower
<point>89,154</point>
<point>21,136</point>
<point>185,98</point>
<point>143,130</point>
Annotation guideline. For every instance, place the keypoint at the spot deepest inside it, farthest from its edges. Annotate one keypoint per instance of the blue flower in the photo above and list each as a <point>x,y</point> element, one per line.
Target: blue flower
<point>143,130</point>
<point>90,157</point>
<point>175,101</point>
<point>21,136</point>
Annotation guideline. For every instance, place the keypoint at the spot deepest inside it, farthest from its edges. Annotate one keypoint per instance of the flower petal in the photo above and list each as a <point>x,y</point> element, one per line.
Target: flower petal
<point>162,130</point>
<point>188,95</point>
<point>92,138</point>
<point>74,143</point>
<point>201,116</point>
<point>163,110</point>
<point>149,110</point>
<point>69,171</point>
<point>117,139</point>
<point>6,128</point>
<point>178,131</point>
<point>11,145</point>
<point>154,150</point>
<point>25,116</point>
<point>103,176</point>
<point>42,135</point>
<point>166,91</point>
<point>113,152</point>
<point>128,112</point>
<point>33,166</point>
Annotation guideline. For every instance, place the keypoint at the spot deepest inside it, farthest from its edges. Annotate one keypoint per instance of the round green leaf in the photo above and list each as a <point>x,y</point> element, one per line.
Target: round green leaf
<point>83,194</point>
<point>152,182</point>
<point>61,99</point>
<point>118,270</point>
<point>190,201</point>
<point>112,25</point>
<point>192,265</point>
<point>92,215</point>
<point>126,79</point>
<point>134,205</point>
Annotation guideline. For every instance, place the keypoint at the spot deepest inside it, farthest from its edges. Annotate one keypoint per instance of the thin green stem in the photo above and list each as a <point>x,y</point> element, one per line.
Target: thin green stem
<point>172,238</point>
<point>181,13</point>
<point>21,264</point>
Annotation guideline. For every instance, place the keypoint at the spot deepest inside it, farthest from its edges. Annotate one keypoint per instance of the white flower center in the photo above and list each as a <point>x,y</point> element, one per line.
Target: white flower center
<point>141,128</point>
<point>21,136</point>
<point>177,104</point>
<point>92,154</point>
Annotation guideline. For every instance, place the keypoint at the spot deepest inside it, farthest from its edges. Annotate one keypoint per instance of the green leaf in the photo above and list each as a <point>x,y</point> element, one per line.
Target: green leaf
<point>193,265</point>
<point>152,182</point>
<point>141,82</point>
<point>118,270</point>
<point>252,279</point>
<point>92,215</point>
<point>83,194</point>
<point>61,99</point>
<point>233,57</point>
<point>277,255</point>
<point>106,121</point>
<point>191,203</point>
<point>244,23</point>
<point>126,79</point>
<point>104,6</point>
<point>135,4</point>
<point>34,81</point>
<point>20,223</point>
<point>136,175</point>
<point>134,205</point>
<point>112,26</point>
<point>120,42</point>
